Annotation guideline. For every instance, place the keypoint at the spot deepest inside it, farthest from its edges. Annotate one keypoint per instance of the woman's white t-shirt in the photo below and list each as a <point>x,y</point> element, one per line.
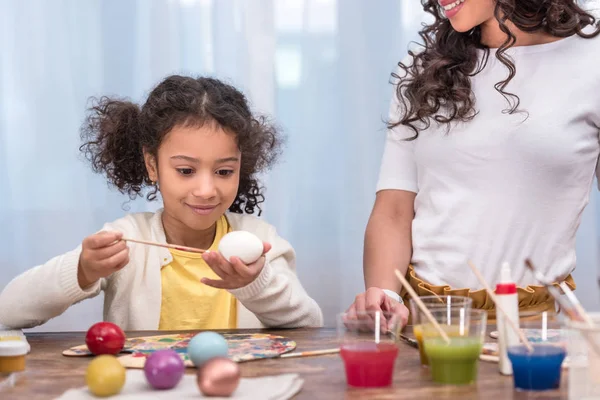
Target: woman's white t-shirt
<point>505,187</point>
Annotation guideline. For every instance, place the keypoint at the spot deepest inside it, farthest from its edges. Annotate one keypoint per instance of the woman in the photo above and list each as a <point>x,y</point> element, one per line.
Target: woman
<point>491,152</point>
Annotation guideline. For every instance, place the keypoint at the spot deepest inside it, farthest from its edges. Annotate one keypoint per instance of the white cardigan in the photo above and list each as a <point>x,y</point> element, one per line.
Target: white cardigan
<point>133,295</point>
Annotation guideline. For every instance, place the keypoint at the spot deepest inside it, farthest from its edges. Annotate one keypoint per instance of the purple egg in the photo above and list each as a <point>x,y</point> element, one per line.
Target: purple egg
<point>164,369</point>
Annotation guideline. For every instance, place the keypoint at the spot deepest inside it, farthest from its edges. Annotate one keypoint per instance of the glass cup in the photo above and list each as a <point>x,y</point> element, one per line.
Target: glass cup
<point>540,369</point>
<point>583,344</point>
<point>454,362</point>
<point>369,347</point>
<point>433,302</point>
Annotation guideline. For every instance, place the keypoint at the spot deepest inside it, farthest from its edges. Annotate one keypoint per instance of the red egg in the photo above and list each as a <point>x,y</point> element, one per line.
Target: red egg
<point>105,338</point>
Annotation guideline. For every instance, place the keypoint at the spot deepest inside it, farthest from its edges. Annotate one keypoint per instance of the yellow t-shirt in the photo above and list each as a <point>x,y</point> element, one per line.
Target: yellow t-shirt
<point>187,303</point>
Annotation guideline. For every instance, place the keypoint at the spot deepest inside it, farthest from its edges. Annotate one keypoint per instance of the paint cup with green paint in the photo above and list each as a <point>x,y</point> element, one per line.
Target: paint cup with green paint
<point>454,362</point>
<point>432,303</point>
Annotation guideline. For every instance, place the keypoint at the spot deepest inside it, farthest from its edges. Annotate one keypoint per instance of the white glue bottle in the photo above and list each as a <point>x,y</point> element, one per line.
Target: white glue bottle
<point>506,294</point>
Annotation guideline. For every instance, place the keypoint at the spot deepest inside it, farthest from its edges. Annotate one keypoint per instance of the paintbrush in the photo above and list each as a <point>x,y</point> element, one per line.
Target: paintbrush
<point>565,302</point>
<point>572,307</point>
<point>310,353</point>
<point>499,308</point>
<point>165,245</point>
<point>414,297</point>
<point>409,341</point>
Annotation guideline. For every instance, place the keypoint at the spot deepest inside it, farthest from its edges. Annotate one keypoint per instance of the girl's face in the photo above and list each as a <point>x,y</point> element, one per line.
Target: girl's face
<point>198,174</point>
<point>465,15</point>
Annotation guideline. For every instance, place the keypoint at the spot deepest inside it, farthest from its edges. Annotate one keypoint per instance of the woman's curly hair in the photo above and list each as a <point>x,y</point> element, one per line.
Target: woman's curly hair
<point>436,85</point>
<point>116,132</point>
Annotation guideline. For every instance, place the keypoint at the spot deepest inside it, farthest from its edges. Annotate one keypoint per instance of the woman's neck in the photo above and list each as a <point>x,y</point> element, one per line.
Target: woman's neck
<point>177,233</point>
<point>493,37</point>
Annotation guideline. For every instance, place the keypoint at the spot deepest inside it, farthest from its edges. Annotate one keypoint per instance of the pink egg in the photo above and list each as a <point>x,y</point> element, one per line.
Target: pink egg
<point>218,377</point>
<point>164,369</point>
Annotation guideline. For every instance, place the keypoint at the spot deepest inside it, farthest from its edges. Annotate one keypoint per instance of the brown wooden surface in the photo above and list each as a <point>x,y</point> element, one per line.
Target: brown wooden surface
<point>49,373</point>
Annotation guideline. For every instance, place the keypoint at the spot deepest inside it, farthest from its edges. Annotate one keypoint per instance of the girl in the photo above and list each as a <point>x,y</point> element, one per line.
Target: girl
<point>196,142</point>
<point>491,152</point>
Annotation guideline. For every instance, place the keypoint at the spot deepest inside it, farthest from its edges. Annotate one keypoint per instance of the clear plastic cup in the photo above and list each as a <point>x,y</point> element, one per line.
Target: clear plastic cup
<point>454,362</point>
<point>433,302</point>
<point>540,369</point>
<point>369,347</point>
<point>583,344</point>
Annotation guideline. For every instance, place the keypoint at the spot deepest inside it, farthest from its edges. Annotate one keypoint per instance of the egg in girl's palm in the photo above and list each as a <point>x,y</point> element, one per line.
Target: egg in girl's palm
<point>244,245</point>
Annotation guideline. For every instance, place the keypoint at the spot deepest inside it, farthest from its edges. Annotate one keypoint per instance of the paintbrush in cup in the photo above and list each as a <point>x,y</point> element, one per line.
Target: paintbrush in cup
<point>414,297</point>
<point>572,307</point>
<point>492,295</point>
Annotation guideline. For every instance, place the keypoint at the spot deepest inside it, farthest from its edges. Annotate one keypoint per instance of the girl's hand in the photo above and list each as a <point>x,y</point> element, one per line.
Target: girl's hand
<point>101,254</point>
<point>234,274</point>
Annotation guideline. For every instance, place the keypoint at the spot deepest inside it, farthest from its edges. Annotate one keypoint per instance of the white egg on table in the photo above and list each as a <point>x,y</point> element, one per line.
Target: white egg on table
<point>244,245</point>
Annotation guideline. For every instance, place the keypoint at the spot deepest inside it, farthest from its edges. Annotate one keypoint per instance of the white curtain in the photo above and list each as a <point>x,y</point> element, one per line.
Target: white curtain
<point>320,67</point>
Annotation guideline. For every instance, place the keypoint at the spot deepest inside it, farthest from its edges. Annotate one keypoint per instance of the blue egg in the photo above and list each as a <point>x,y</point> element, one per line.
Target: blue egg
<point>205,346</point>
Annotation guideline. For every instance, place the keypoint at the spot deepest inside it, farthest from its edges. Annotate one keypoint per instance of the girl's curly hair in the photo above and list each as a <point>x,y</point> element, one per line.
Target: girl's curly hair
<point>437,84</point>
<point>117,131</point>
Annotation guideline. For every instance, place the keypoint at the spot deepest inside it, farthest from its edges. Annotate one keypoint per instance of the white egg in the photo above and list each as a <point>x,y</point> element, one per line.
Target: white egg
<point>242,244</point>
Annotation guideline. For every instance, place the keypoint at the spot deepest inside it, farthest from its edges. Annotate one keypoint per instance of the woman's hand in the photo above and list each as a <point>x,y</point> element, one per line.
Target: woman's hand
<point>375,299</point>
<point>234,274</point>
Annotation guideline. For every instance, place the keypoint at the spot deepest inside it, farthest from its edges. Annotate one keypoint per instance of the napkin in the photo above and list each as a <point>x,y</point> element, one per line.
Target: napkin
<point>274,387</point>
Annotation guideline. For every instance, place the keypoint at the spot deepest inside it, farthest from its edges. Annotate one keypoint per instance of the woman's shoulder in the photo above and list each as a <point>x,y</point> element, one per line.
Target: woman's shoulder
<point>581,49</point>
<point>584,54</point>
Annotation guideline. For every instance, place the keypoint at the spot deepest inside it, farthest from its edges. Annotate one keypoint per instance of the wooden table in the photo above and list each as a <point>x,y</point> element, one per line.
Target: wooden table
<point>49,373</point>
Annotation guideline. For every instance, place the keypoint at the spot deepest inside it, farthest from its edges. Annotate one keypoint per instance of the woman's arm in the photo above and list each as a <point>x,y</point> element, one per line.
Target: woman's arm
<point>388,243</point>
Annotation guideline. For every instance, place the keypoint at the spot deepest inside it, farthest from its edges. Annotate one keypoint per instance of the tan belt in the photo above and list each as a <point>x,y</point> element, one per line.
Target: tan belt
<point>532,298</point>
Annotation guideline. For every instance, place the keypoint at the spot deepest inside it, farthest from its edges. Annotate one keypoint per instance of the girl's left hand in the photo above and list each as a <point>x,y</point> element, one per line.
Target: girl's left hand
<point>234,274</point>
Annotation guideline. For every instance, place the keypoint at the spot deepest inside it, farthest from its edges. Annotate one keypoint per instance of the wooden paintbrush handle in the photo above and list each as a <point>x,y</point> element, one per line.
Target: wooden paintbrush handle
<point>166,245</point>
